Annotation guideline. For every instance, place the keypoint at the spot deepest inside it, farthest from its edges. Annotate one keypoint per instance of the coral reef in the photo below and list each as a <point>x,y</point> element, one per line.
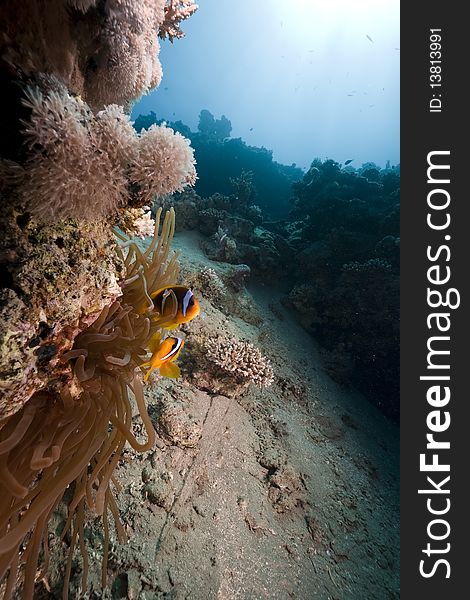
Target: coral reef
<point>214,129</point>
<point>77,321</point>
<point>335,255</point>
<point>73,431</point>
<point>234,228</point>
<point>221,158</point>
<point>346,274</point>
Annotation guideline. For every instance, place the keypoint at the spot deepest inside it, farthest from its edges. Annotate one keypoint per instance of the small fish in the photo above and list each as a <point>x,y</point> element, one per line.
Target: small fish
<point>349,161</point>
<point>164,353</point>
<point>350,94</point>
<point>369,38</point>
<point>251,128</point>
<point>174,305</point>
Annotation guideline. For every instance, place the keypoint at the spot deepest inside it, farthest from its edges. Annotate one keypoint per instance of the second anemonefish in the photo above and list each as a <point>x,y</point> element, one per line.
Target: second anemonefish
<point>174,305</point>
<point>164,353</point>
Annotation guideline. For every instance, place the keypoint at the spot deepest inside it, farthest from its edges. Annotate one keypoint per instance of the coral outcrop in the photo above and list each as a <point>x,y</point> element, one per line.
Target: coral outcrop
<point>77,318</point>
<point>72,431</point>
<point>241,359</point>
<point>54,276</point>
<point>234,228</point>
<point>106,52</point>
<point>345,276</point>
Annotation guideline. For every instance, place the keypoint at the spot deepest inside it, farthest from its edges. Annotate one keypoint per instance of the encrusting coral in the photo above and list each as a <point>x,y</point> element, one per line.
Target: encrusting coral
<point>74,434</point>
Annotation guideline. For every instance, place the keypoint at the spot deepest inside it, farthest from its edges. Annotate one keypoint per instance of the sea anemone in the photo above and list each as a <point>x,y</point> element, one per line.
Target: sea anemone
<point>72,435</point>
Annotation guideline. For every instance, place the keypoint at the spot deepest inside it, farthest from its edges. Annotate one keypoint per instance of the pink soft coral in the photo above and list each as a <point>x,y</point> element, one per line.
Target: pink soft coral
<point>126,61</point>
<point>163,163</point>
<point>87,166</point>
<point>67,174</point>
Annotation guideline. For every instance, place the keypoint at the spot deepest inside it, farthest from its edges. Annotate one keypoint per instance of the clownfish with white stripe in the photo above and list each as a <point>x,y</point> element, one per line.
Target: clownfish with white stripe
<point>164,353</point>
<point>174,305</point>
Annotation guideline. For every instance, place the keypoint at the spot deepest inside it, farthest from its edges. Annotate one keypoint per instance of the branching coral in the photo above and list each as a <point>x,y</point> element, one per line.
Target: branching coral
<point>242,359</point>
<point>175,12</point>
<point>143,222</point>
<point>73,434</point>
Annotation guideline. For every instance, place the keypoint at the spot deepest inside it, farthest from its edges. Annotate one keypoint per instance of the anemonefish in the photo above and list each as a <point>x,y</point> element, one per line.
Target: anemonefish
<point>164,353</point>
<point>174,305</point>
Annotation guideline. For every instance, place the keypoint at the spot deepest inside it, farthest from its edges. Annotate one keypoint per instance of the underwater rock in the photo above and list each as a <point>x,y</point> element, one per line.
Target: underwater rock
<point>176,426</point>
<point>235,277</point>
<point>210,220</point>
<point>187,205</point>
<point>225,289</point>
<point>344,287</point>
<point>54,275</point>
<point>210,285</point>
<point>239,228</point>
<point>221,247</point>
<point>388,248</point>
